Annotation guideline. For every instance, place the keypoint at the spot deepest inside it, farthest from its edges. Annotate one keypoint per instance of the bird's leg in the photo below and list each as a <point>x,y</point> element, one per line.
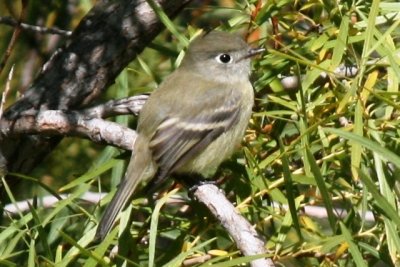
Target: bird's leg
<point>192,180</point>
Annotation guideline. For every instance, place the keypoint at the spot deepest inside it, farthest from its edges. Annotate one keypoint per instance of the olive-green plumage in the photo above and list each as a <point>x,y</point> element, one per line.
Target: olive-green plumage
<point>193,121</point>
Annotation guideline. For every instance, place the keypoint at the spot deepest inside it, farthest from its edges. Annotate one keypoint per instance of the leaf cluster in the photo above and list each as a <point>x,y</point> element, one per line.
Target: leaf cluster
<point>318,174</point>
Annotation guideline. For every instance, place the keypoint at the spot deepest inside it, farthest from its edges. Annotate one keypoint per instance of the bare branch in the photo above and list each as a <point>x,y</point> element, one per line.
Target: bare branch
<point>71,123</point>
<point>86,123</point>
<point>33,28</point>
<point>48,202</point>
<point>246,238</point>
<point>124,106</point>
<point>290,83</point>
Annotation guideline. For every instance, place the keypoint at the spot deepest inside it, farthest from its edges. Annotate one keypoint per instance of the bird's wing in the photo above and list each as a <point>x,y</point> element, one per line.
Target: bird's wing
<point>179,138</point>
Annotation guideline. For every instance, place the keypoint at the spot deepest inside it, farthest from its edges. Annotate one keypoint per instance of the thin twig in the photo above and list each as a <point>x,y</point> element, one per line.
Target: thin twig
<point>38,29</point>
<point>14,37</point>
<point>123,106</point>
<point>6,91</point>
<point>48,202</point>
<point>341,72</point>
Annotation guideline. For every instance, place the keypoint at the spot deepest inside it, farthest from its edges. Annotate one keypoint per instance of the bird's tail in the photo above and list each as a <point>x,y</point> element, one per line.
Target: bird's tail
<point>139,169</point>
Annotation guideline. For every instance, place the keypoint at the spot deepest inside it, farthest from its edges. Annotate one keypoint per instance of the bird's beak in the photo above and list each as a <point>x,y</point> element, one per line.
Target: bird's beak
<point>255,51</point>
<point>252,52</point>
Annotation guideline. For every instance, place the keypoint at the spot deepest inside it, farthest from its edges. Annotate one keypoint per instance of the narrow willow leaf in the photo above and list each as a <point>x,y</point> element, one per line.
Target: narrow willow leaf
<point>322,188</point>
<point>42,234</point>
<point>369,38</point>
<point>101,249</point>
<point>354,251</point>
<point>154,224</point>
<point>79,247</point>
<point>379,200</point>
<point>287,175</point>
<point>393,86</point>
<point>178,260</point>
<point>238,261</point>
<point>90,175</point>
<point>340,43</point>
<point>32,253</point>
<point>356,151</point>
<point>167,22</point>
<point>369,144</point>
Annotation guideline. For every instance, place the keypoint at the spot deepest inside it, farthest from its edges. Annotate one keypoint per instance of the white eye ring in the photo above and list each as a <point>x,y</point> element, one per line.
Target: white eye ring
<point>224,58</point>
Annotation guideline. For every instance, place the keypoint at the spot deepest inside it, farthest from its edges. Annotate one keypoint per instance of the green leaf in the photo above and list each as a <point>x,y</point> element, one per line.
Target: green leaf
<point>379,200</point>
<point>238,261</point>
<point>80,247</point>
<point>42,235</point>
<point>178,260</point>
<point>322,188</point>
<point>369,144</point>
<point>354,251</point>
<point>90,175</point>
<point>356,150</point>
<point>167,22</point>
<point>32,253</point>
<point>287,175</point>
<point>340,43</point>
<point>154,225</point>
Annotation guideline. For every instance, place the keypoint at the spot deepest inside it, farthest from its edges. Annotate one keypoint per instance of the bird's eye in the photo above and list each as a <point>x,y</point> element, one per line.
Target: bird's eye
<point>224,58</point>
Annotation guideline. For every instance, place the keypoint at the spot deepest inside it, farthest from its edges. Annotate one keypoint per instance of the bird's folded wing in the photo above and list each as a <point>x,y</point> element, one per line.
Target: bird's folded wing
<point>177,140</point>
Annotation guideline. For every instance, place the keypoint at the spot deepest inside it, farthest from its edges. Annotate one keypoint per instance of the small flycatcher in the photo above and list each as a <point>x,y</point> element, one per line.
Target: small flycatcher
<point>194,120</point>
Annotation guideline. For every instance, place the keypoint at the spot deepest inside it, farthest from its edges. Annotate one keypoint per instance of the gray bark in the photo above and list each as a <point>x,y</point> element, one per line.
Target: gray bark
<point>105,41</point>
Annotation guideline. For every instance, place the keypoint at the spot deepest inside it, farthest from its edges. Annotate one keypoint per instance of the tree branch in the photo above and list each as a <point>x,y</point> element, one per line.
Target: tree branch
<point>106,40</point>
<point>33,28</point>
<point>246,238</point>
<point>87,123</point>
<point>123,106</point>
<point>73,123</point>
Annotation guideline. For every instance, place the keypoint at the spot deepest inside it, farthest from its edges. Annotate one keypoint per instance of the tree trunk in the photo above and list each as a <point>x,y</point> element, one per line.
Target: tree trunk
<point>106,40</point>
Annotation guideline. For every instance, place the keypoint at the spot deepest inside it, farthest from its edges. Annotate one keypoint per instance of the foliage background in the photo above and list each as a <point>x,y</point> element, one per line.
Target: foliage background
<point>330,141</point>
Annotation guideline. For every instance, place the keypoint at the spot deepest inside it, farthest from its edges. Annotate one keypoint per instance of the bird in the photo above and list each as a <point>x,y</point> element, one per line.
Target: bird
<point>193,121</point>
